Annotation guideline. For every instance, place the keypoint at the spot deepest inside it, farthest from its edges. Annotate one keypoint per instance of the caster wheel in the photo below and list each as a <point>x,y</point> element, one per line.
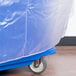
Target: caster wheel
<point>40,69</point>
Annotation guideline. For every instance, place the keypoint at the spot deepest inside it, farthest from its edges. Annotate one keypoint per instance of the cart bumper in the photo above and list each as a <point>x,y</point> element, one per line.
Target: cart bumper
<point>25,60</point>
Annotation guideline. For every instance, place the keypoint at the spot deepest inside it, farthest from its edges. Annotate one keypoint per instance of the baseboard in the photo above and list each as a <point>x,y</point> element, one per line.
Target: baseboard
<point>68,41</point>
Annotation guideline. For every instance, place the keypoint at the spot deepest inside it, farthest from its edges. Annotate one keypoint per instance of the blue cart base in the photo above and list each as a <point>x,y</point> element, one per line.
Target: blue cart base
<point>25,61</point>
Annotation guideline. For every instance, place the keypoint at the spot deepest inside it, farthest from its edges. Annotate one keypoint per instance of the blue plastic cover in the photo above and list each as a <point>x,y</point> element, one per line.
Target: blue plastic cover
<point>29,27</point>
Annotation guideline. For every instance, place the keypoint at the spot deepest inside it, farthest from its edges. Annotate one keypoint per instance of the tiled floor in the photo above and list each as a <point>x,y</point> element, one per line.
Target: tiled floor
<point>61,64</point>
